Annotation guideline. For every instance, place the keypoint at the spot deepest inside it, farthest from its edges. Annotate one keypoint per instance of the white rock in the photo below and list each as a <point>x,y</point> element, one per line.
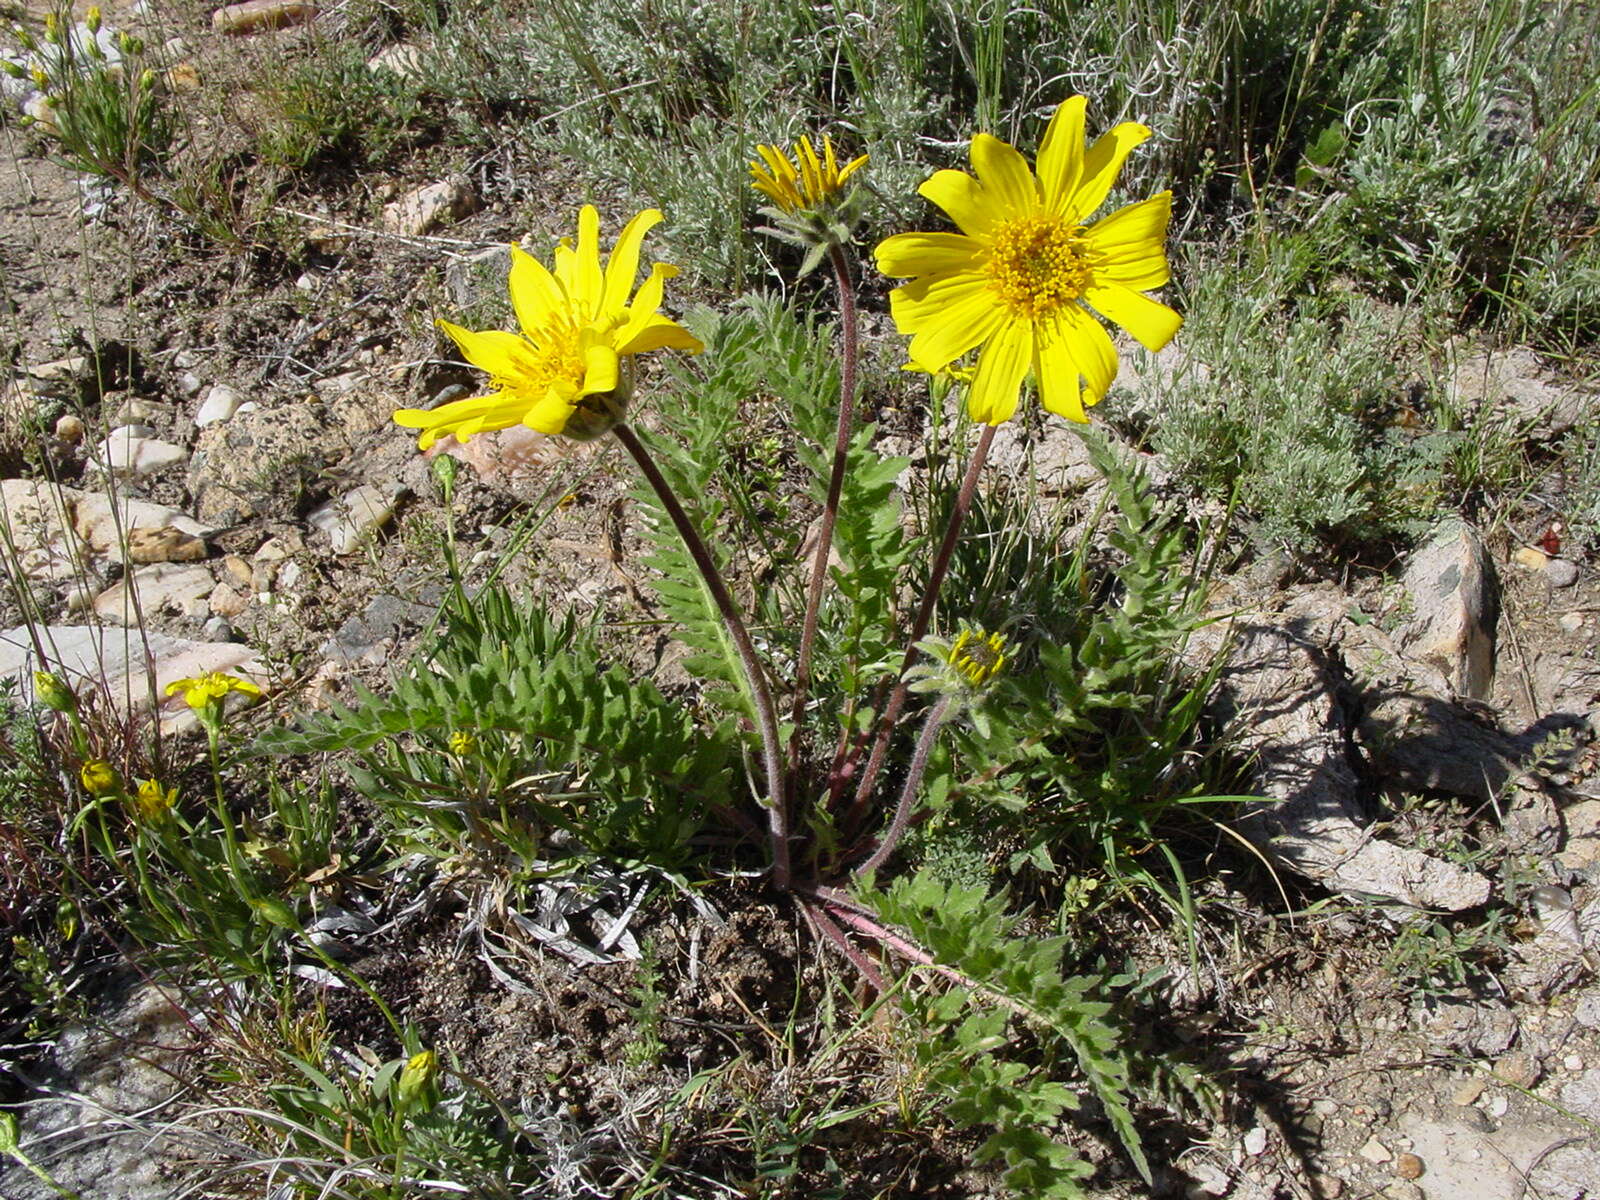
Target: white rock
<point>1375,1151</point>
<point>1571,622</point>
<point>108,531</point>
<point>429,207</point>
<point>403,59</point>
<point>127,452</point>
<point>1561,573</point>
<point>37,515</point>
<point>221,403</point>
<point>60,368</point>
<point>350,518</point>
<point>160,588</point>
<point>1255,1141</point>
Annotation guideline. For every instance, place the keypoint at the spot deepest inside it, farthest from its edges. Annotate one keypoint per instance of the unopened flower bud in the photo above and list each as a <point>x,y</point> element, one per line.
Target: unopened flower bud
<point>275,912</point>
<point>53,692</point>
<point>52,28</point>
<point>417,1077</point>
<point>100,778</point>
<point>15,70</point>
<point>92,18</point>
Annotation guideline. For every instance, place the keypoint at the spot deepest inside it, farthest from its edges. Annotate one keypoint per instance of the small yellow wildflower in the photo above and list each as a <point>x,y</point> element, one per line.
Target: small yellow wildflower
<point>978,658</point>
<point>1019,280</point>
<point>815,182</point>
<point>463,744</point>
<point>100,778</point>
<point>207,691</point>
<point>417,1076</point>
<point>569,369</point>
<point>53,692</point>
<point>153,802</point>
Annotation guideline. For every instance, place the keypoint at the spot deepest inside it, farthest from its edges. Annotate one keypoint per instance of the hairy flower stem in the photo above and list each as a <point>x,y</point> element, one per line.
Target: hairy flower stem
<point>908,793</point>
<point>830,510</point>
<point>919,629</point>
<point>755,676</point>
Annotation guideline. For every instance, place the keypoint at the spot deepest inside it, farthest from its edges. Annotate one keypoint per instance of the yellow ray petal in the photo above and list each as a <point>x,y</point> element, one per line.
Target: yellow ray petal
<point>600,364</point>
<point>1002,365</point>
<point>1056,373</point>
<point>622,268</point>
<point>1100,168</point>
<point>1130,244</point>
<point>963,199</point>
<point>1005,176</point>
<point>1061,153</point>
<point>1153,324</point>
<point>927,253</point>
<point>495,351</point>
<point>1085,342</point>
<point>587,285</point>
<point>535,294</point>
<point>947,316</point>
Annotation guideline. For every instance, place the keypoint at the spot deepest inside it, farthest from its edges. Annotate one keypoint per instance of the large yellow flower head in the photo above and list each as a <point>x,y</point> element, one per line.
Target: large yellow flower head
<point>567,371</point>
<point>806,182</point>
<point>1019,281</point>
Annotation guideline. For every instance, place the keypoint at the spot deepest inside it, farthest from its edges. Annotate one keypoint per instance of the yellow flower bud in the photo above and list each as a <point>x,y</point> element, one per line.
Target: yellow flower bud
<point>153,802</point>
<point>52,28</point>
<point>417,1077</point>
<point>53,692</point>
<point>100,778</point>
<point>463,744</point>
<point>92,18</point>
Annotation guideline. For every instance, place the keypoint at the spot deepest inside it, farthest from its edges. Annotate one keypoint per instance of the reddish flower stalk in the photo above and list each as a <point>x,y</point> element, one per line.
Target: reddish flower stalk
<point>755,674</point>
<point>830,510</point>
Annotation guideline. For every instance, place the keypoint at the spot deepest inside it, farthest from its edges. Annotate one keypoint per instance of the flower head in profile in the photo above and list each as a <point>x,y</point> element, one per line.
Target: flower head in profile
<point>810,209</point>
<point>568,368</point>
<point>1023,279</point>
<point>207,693</point>
<point>804,182</point>
<point>152,801</point>
<point>100,778</point>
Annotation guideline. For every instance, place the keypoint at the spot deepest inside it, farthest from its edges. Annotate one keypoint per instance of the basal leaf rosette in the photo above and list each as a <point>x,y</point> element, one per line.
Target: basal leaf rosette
<point>568,370</point>
<point>1023,280</point>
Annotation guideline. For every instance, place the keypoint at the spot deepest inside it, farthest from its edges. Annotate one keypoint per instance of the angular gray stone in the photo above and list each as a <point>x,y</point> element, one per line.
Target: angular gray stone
<point>1455,596</point>
<point>1279,699</point>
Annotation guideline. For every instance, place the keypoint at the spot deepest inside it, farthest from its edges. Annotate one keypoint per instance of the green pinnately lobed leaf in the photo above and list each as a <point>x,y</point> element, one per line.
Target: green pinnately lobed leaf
<point>514,672</point>
<point>967,1032</point>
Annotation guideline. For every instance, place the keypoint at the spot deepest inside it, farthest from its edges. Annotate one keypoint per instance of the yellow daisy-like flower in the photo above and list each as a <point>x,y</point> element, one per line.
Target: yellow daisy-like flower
<point>564,373</point>
<point>153,801</point>
<point>977,656</point>
<point>1018,282</point>
<point>815,181</point>
<point>210,689</point>
<point>100,778</point>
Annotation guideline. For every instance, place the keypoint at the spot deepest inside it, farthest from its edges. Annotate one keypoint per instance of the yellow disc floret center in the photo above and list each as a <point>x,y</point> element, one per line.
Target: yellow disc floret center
<point>552,359</point>
<point>1037,264</point>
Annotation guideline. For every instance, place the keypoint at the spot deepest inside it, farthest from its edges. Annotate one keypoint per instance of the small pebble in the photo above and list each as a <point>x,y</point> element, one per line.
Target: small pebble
<point>70,429</point>
<point>218,630</point>
<point>1498,1105</point>
<point>1469,1091</point>
<point>1255,1141</point>
<point>1572,1063</point>
<point>1561,573</point>
<point>1408,1166</point>
<point>1517,1069</point>
<point>1572,621</point>
<point>1375,1151</point>
<point>1530,559</point>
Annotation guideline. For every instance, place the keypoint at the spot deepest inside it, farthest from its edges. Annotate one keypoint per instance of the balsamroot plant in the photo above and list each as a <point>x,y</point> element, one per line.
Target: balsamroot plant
<point>834,707</point>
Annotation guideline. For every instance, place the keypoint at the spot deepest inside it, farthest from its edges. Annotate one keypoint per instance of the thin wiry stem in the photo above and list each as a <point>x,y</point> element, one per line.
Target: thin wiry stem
<point>830,510</point>
<point>919,628</point>
<point>755,675</point>
<point>908,793</point>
